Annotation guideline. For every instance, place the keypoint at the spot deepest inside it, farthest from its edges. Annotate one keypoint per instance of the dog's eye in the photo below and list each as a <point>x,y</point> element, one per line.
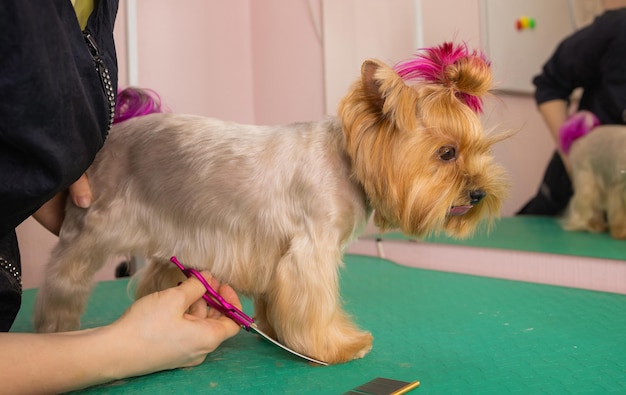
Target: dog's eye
<point>447,152</point>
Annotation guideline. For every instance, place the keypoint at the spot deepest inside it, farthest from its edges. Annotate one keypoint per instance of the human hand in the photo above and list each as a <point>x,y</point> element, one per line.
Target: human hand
<point>163,330</point>
<point>52,213</point>
<point>173,328</point>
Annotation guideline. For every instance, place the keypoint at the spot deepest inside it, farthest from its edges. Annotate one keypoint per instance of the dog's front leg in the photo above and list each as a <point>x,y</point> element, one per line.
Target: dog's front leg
<point>584,211</point>
<point>261,316</point>
<point>68,282</point>
<point>616,211</point>
<point>304,309</point>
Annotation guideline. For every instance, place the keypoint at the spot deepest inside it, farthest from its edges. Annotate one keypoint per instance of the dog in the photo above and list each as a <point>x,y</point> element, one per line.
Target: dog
<point>598,174</point>
<point>271,209</point>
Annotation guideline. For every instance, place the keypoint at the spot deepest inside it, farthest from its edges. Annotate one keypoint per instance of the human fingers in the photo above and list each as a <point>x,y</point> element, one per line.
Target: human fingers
<point>80,192</point>
<point>227,327</point>
<point>193,290</point>
<point>230,327</point>
<point>226,292</point>
<point>229,294</point>
<point>51,213</point>
<point>199,309</point>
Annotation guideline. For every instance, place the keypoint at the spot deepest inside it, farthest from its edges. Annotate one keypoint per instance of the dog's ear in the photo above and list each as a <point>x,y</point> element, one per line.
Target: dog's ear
<point>371,85</point>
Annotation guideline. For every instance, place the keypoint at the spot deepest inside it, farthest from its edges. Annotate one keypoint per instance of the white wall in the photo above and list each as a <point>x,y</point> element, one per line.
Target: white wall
<point>356,30</point>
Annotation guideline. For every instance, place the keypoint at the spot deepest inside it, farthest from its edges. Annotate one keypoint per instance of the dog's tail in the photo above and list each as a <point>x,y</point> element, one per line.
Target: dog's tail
<point>577,125</point>
<point>134,102</point>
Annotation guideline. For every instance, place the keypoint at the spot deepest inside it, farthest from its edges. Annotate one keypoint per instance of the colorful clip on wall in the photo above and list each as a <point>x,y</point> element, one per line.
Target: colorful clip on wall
<point>525,23</point>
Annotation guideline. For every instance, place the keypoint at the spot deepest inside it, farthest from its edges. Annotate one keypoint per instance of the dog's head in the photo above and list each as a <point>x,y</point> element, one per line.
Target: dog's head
<point>417,145</point>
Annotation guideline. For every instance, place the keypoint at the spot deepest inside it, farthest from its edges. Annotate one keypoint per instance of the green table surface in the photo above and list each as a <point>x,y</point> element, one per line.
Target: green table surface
<point>533,234</point>
<point>456,334</point>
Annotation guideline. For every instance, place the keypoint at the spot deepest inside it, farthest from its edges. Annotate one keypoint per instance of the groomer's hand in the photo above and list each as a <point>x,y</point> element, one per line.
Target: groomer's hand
<point>52,213</point>
<point>163,330</point>
<point>173,328</point>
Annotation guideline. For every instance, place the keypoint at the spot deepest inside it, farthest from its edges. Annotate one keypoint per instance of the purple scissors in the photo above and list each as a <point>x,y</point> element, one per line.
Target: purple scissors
<point>214,300</point>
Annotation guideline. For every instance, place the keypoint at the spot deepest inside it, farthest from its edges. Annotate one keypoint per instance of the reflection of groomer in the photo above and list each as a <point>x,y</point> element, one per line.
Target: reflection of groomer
<point>593,58</point>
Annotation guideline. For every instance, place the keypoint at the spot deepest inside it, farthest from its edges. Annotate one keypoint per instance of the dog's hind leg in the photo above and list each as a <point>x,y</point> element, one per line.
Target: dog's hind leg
<point>304,308</point>
<point>616,211</point>
<point>158,274</point>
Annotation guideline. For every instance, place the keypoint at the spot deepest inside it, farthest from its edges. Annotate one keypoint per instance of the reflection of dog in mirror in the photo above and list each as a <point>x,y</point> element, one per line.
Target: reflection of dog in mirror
<point>598,173</point>
<point>270,209</point>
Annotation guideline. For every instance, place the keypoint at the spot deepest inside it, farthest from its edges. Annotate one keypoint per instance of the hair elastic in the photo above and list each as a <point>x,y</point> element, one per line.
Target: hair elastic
<point>135,102</point>
<point>430,64</point>
<point>577,125</point>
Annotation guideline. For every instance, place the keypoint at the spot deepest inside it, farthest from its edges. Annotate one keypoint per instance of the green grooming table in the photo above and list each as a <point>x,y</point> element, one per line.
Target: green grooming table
<point>533,234</point>
<point>456,334</point>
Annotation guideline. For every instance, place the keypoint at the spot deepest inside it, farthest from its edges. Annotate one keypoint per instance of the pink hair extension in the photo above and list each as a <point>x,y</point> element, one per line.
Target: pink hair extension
<point>430,64</point>
<point>577,125</point>
<point>135,102</point>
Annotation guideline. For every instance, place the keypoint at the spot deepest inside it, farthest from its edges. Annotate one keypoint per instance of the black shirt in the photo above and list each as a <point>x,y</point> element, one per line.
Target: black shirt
<point>54,111</point>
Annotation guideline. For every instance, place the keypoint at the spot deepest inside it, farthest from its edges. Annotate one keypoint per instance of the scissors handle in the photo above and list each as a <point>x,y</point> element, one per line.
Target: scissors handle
<point>215,300</point>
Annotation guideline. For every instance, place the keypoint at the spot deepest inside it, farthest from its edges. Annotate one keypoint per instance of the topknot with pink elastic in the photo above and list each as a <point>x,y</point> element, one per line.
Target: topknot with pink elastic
<point>453,66</point>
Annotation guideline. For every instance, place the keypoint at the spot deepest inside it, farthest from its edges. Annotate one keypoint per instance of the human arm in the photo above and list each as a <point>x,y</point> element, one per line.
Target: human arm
<point>52,213</point>
<point>164,330</point>
<point>554,113</point>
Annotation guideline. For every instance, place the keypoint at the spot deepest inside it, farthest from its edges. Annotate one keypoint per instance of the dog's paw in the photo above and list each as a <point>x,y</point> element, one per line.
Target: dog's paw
<point>52,317</point>
<point>358,349</point>
<point>340,344</point>
<point>618,232</point>
<point>596,225</point>
<point>355,347</point>
<point>55,323</point>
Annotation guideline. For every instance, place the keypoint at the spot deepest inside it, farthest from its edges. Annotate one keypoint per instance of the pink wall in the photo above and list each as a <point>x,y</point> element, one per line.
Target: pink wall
<point>239,60</point>
<point>197,55</point>
<point>287,64</point>
<point>445,20</point>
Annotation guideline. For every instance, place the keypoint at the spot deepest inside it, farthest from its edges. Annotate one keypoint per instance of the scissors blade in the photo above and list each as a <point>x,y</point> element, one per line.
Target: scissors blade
<point>267,337</point>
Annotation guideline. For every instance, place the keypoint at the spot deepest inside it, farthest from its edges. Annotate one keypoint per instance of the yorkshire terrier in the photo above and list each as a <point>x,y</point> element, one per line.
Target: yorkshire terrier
<point>598,173</point>
<point>271,209</point>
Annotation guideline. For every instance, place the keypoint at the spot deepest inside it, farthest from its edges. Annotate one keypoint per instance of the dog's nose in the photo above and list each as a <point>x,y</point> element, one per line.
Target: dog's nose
<point>476,196</point>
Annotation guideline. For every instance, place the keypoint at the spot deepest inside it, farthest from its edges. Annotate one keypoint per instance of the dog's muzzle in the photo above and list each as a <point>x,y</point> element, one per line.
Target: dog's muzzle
<point>475,197</point>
